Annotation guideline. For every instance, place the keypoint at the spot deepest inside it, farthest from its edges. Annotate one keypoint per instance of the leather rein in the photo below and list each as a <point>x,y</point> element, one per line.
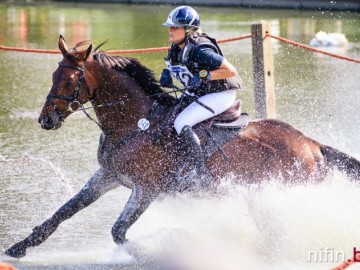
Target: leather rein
<point>75,97</point>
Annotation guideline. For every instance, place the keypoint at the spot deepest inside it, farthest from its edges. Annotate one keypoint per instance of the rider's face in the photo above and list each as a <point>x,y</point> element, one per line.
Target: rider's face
<point>176,34</point>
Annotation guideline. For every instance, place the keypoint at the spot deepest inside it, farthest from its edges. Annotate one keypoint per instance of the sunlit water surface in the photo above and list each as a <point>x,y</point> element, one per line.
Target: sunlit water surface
<point>267,226</point>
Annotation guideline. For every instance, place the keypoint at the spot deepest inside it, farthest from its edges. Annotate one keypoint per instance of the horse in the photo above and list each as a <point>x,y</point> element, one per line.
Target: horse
<point>122,91</point>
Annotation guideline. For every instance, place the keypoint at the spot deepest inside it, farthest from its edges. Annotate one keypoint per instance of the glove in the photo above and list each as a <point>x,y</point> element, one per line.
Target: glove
<point>195,82</point>
<point>166,79</point>
<point>200,79</point>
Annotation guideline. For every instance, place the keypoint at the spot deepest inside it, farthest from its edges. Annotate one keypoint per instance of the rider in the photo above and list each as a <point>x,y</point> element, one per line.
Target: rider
<point>197,62</point>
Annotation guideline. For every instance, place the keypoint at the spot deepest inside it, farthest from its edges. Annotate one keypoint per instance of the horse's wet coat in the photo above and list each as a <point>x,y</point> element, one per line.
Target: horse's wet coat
<point>122,91</point>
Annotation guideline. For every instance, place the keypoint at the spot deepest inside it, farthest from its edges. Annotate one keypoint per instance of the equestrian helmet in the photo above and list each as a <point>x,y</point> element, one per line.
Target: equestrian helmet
<point>183,16</point>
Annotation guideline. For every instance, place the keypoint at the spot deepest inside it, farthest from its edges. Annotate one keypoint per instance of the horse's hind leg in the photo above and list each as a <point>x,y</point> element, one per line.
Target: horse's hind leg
<point>99,184</point>
<point>138,202</point>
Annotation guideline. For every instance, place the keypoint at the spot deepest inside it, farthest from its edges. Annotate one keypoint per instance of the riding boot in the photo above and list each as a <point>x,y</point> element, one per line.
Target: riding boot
<point>195,156</point>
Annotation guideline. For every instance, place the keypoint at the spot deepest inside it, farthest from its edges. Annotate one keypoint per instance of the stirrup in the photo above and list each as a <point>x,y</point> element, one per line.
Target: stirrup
<point>192,179</point>
<point>184,178</point>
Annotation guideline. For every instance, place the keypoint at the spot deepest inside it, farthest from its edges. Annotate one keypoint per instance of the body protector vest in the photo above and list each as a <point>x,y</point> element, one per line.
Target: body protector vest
<point>182,66</point>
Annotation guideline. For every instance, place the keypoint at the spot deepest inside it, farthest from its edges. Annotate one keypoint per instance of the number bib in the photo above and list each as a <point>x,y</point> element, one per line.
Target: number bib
<point>180,72</point>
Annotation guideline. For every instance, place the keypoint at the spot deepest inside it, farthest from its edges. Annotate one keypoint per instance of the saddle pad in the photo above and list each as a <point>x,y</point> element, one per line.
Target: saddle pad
<point>242,121</point>
<point>218,135</point>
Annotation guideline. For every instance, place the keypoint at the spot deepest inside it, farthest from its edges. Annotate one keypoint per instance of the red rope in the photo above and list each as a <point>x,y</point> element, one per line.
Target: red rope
<point>300,45</point>
<point>347,263</point>
<point>147,50</point>
<point>234,38</point>
<point>161,49</point>
<point>15,49</point>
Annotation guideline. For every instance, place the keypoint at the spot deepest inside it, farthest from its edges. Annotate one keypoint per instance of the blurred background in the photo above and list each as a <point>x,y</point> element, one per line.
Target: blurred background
<point>268,228</point>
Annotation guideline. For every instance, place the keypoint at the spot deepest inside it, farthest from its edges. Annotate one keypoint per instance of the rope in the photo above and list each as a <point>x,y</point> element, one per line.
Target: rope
<point>234,38</point>
<point>15,49</point>
<point>161,49</point>
<point>347,263</point>
<point>147,50</point>
<point>303,46</point>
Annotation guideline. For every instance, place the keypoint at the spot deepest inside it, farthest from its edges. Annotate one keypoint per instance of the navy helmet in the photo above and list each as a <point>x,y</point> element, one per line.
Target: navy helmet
<point>183,16</point>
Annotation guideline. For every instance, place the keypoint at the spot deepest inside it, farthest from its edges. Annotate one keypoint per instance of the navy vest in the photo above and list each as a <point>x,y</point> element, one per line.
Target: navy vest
<point>181,64</point>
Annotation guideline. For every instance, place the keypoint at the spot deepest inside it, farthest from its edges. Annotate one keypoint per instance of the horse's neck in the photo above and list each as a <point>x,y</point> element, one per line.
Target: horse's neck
<point>120,104</point>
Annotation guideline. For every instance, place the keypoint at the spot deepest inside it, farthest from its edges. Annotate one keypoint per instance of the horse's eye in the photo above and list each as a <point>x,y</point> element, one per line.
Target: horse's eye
<point>67,84</point>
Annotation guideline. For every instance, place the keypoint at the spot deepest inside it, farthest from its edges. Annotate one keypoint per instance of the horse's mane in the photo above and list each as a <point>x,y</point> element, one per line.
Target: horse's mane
<point>140,73</point>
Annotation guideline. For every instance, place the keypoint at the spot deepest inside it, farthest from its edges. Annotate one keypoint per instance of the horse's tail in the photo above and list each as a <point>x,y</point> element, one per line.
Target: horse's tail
<point>343,162</point>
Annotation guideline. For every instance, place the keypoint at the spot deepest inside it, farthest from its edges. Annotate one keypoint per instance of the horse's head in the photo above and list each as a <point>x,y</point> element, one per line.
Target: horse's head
<point>70,87</point>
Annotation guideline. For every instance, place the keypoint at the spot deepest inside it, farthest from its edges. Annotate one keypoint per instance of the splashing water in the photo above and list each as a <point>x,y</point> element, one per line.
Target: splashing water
<point>270,226</point>
<point>266,226</point>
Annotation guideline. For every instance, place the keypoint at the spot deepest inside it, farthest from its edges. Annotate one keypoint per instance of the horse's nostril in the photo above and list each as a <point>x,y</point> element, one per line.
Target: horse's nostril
<point>46,122</point>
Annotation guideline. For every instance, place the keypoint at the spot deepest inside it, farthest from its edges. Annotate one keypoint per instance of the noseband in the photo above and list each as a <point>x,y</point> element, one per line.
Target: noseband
<point>75,97</point>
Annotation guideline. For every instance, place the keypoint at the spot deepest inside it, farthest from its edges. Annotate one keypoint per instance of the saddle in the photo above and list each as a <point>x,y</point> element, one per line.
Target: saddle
<point>213,133</point>
<point>216,131</point>
<point>231,118</point>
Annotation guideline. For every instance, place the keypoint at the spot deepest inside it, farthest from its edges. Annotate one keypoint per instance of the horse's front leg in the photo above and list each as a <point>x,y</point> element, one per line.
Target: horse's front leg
<point>101,182</point>
<point>139,201</point>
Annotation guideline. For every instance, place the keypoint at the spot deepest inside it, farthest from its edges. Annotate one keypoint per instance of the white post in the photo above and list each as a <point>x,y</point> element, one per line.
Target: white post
<point>263,66</point>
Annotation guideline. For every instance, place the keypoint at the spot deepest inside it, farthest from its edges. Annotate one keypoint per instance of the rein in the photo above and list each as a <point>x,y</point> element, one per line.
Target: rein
<point>75,97</point>
<point>185,93</point>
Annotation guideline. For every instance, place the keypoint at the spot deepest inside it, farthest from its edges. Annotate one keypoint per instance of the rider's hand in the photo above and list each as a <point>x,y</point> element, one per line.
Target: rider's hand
<point>195,82</point>
<point>201,79</point>
<point>166,79</point>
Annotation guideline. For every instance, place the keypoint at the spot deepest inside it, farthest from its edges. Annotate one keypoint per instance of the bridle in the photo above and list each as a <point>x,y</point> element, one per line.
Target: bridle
<point>75,97</point>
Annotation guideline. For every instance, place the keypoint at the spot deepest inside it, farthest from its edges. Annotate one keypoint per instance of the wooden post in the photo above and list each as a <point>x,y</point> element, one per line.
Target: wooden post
<point>263,66</point>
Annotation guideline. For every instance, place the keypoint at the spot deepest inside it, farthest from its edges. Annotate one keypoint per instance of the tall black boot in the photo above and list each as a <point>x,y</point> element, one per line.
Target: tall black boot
<point>195,156</point>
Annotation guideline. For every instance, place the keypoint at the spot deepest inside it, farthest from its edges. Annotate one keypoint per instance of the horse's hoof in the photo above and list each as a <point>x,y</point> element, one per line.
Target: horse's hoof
<point>17,251</point>
<point>120,241</point>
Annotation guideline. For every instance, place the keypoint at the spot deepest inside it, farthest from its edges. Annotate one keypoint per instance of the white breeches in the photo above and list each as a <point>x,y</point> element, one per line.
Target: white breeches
<point>195,113</point>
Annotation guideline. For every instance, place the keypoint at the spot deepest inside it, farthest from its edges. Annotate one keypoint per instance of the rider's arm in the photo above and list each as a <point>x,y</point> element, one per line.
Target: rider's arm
<point>225,70</point>
<point>219,67</point>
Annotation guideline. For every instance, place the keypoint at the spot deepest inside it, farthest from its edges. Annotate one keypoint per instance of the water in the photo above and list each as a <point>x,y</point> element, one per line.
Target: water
<point>266,227</point>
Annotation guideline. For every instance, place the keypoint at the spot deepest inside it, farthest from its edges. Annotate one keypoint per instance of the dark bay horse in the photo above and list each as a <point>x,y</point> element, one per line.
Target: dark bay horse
<point>122,91</point>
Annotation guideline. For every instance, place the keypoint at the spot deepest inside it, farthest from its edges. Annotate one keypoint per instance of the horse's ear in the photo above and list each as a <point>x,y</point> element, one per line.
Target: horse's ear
<point>82,55</point>
<point>87,54</point>
<point>62,45</point>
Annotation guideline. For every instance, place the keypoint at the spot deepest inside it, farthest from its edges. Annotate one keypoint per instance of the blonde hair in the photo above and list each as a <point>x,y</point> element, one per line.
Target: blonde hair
<point>195,31</point>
